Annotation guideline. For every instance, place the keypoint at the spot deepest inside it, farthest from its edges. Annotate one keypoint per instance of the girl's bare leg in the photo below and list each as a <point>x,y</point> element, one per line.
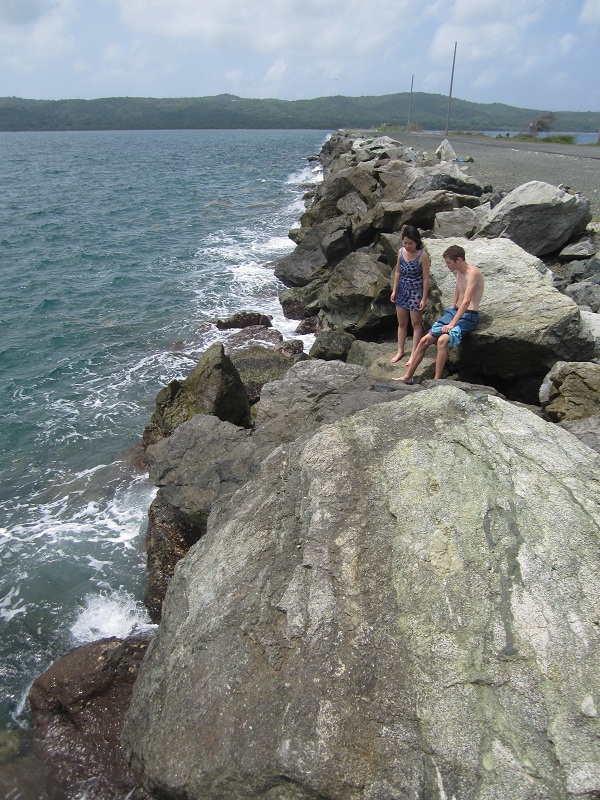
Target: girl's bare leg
<point>402,314</point>
<point>416,320</point>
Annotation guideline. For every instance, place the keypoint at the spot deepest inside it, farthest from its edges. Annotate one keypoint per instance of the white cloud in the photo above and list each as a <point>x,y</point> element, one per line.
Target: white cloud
<point>276,26</point>
<point>276,71</point>
<point>590,13</point>
<point>487,78</point>
<point>38,37</point>
<point>566,43</point>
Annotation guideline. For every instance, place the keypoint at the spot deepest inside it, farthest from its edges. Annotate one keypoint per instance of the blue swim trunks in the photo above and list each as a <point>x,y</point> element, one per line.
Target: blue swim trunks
<point>467,323</point>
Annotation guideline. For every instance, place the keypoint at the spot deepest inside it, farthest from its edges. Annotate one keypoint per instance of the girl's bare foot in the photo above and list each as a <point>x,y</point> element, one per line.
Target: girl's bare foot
<point>396,358</point>
<point>406,379</point>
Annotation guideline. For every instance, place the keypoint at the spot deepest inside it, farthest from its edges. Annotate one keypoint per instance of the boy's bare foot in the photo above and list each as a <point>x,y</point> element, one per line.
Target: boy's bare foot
<point>408,381</point>
<point>396,358</point>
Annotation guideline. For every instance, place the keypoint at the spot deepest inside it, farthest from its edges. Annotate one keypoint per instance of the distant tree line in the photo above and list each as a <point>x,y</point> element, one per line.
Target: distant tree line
<point>322,113</point>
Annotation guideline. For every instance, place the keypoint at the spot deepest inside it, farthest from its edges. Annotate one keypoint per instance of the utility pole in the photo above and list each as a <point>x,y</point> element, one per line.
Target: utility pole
<point>450,95</point>
<point>410,105</point>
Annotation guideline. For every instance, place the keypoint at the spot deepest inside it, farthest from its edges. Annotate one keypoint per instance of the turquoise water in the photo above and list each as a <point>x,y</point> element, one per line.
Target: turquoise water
<point>113,247</point>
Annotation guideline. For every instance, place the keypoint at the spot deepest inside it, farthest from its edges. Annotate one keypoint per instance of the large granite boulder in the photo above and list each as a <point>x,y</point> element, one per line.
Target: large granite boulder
<point>357,295</point>
<point>590,323</point>
<point>458,222</point>
<point>402,604</point>
<point>201,460</point>
<point>401,182</point>
<point>353,181</point>
<point>214,387</point>
<point>585,294</point>
<point>257,365</point>
<point>206,459</point>
<point>539,217</point>
<point>332,345</point>
<point>571,391</point>
<point>77,709</point>
<point>586,430</point>
<point>317,252</point>
<point>526,325</point>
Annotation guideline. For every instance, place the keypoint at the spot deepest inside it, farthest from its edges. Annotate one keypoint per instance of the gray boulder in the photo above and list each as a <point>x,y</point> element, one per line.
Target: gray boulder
<point>571,391</point>
<point>458,222</point>
<point>332,345</point>
<point>590,323</point>
<point>242,319</point>
<point>258,365</point>
<point>357,295</point>
<point>576,271</point>
<point>214,387</point>
<point>403,604</point>
<point>252,336</point>
<point>538,217</point>
<point>585,294</point>
<point>317,251</point>
<point>580,249</point>
<point>407,182</point>
<point>392,216</point>
<point>203,459</point>
<point>445,151</point>
<point>526,325</point>
<point>586,430</point>
<point>356,182</point>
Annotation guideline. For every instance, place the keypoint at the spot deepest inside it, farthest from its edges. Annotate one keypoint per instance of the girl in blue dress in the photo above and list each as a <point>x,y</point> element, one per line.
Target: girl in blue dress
<point>410,287</point>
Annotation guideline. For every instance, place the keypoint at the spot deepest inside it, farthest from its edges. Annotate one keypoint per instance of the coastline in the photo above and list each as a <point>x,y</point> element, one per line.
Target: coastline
<point>472,172</point>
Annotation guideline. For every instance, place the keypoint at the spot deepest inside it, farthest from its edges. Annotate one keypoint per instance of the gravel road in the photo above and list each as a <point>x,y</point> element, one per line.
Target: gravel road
<point>507,164</point>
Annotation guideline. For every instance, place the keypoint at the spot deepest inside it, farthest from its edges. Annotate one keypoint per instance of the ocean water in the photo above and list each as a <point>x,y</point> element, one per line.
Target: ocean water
<point>115,249</point>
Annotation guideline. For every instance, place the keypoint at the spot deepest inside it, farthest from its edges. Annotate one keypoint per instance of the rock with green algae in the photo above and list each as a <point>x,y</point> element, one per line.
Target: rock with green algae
<point>403,603</point>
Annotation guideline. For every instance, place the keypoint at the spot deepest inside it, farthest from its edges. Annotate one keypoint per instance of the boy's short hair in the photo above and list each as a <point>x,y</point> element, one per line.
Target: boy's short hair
<point>453,252</point>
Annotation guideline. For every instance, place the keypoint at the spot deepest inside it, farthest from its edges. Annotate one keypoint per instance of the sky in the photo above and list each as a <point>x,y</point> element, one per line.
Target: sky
<point>538,54</point>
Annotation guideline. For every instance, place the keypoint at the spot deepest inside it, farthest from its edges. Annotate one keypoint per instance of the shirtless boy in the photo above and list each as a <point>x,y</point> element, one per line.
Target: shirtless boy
<point>464,314</point>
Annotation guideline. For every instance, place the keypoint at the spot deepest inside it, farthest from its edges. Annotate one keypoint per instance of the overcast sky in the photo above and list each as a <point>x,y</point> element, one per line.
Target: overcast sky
<point>541,54</point>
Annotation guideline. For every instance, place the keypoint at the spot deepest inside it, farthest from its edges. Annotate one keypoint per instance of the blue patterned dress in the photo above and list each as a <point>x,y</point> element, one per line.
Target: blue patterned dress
<point>410,285</point>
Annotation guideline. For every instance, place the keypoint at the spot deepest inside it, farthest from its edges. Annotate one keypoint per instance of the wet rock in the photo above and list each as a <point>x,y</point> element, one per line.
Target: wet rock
<point>242,319</point>
<point>77,709</point>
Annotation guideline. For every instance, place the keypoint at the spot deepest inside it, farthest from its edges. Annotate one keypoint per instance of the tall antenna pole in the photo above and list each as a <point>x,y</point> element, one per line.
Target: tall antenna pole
<point>410,105</point>
<point>450,95</point>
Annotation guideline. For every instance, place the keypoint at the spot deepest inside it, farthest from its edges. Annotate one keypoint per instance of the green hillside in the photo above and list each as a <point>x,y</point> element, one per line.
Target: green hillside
<point>322,113</point>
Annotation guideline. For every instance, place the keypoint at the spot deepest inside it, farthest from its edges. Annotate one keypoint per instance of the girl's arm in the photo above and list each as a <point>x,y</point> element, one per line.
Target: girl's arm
<point>425,264</point>
<point>396,277</point>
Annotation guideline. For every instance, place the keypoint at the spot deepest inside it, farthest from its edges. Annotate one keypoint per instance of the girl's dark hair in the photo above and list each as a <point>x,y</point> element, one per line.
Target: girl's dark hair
<point>412,233</point>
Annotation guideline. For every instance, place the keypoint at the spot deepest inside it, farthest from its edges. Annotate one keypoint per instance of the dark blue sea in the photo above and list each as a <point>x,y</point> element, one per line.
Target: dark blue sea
<point>115,249</point>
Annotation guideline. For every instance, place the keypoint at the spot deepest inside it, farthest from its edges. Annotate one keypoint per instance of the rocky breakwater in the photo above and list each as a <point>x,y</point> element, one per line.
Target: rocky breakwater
<point>389,590</point>
<point>532,244</point>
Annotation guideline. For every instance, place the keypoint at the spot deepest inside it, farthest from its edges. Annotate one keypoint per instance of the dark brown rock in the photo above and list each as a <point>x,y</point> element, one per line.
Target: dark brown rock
<point>332,345</point>
<point>169,536</point>
<point>78,707</point>
<point>243,319</point>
